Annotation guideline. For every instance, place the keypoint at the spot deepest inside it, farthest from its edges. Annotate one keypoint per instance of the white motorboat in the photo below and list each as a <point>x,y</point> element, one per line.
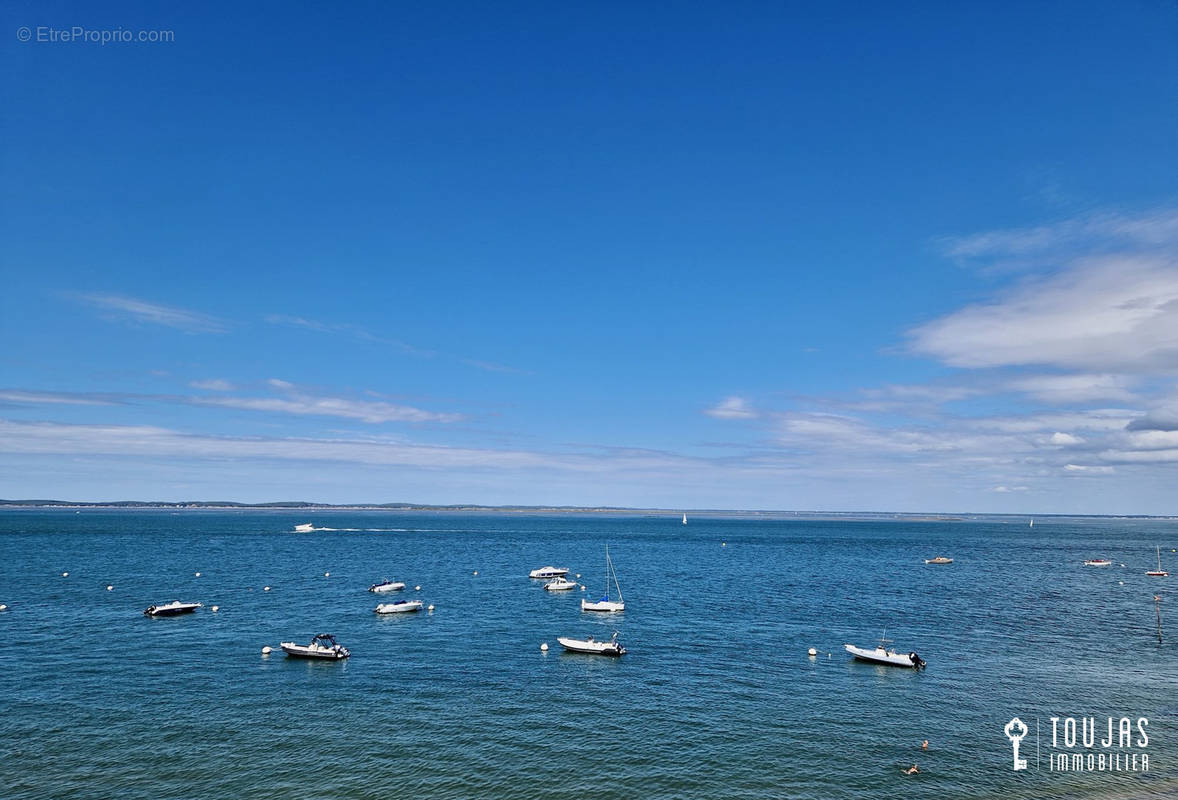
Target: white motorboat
<point>323,646</point>
<point>306,527</point>
<point>612,647</point>
<point>882,654</point>
<point>171,609</point>
<point>549,572</point>
<point>606,603</point>
<point>938,560</point>
<point>399,607</point>
<point>386,586</point>
<point>1098,562</point>
<point>560,585</point>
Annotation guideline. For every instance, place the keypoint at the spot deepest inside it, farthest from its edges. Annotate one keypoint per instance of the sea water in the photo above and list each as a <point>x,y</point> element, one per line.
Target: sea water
<point>716,697</point>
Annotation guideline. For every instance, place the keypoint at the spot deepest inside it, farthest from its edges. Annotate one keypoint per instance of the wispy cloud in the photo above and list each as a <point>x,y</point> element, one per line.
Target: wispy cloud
<point>364,411</point>
<point>360,334</point>
<point>733,407</point>
<point>297,401</point>
<point>22,397</point>
<point>347,329</point>
<point>129,309</point>
<point>1117,313</point>
<point>491,366</point>
<point>213,385</point>
<point>1087,234</point>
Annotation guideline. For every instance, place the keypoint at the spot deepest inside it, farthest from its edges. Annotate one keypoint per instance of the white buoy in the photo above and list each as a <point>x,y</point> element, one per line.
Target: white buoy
<point>578,574</point>
<point>476,572</point>
<point>813,651</point>
<point>266,650</point>
<point>417,588</point>
<point>1122,565</point>
<point>3,607</point>
<point>265,588</point>
<point>216,608</point>
<point>198,574</point>
<point>109,588</point>
<point>582,587</point>
<point>723,544</point>
<point>431,607</point>
<point>65,574</point>
<point>544,646</point>
<point>1122,583</point>
<point>326,574</point>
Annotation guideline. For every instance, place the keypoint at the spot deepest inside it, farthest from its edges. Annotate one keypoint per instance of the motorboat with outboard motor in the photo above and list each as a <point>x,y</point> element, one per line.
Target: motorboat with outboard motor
<point>172,609</point>
<point>612,647</point>
<point>560,585</point>
<point>386,586</point>
<point>398,607</point>
<point>882,654</point>
<point>323,646</point>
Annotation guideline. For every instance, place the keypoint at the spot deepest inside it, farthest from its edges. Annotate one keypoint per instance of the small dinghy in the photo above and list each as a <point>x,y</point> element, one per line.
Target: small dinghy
<point>386,586</point>
<point>1098,562</point>
<point>171,609</point>
<point>609,648</point>
<point>938,560</point>
<point>399,607</point>
<point>549,572</point>
<point>322,646</point>
<point>882,654</point>
<point>560,585</point>
<point>306,527</point>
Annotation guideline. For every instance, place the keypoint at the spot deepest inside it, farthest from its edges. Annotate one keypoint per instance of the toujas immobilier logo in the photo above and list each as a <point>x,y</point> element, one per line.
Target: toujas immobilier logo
<point>1085,744</point>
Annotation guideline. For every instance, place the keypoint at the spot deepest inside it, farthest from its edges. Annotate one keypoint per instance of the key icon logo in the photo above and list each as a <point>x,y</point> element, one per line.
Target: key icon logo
<point>1015,731</point>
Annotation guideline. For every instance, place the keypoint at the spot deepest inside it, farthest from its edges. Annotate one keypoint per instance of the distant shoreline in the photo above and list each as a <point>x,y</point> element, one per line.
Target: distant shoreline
<point>296,505</point>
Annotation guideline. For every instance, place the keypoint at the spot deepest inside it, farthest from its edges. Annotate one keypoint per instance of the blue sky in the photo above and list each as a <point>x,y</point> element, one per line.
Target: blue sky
<point>918,257</point>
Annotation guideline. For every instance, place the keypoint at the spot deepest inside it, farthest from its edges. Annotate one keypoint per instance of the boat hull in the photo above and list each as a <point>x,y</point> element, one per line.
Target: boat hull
<point>607,606</point>
<point>399,608</point>
<point>888,657</point>
<point>302,651</point>
<point>591,647</point>
<point>171,610</point>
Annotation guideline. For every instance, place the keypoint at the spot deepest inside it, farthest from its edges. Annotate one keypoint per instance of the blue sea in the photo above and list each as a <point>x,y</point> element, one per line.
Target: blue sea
<point>716,698</point>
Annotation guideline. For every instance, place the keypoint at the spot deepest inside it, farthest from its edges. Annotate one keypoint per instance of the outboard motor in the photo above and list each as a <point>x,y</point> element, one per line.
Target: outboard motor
<point>917,661</point>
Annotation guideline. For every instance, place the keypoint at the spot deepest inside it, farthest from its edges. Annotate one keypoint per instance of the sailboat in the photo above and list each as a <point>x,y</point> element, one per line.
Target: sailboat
<point>1032,524</point>
<point>1159,572</point>
<point>605,603</point>
<point>685,519</point>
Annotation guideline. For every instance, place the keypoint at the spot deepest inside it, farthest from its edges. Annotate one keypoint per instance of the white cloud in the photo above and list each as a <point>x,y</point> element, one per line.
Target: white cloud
<point>129,309</point>
<point>1075,388</point>
<point>1008,489</point>
<point>1095,231</point>
<point>22,397</point>
<point>213,385</point>
<point>732,408</point>
<point>1115,312</point>
<point>1089,469</point>
<point>363,410</point>
<point>1064,439</point>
